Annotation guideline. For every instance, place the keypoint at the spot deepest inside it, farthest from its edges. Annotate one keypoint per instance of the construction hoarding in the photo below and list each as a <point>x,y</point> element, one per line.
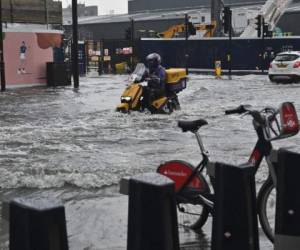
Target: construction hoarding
<point>26,55</point>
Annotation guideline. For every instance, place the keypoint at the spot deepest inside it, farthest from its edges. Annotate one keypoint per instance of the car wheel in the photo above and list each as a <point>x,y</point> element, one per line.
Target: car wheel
<point>271,78</point>
<point>291,80</point>
<point>297,79</point>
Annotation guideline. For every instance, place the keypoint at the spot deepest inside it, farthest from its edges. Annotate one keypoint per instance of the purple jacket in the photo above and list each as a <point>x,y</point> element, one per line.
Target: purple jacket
<point>160,74</point>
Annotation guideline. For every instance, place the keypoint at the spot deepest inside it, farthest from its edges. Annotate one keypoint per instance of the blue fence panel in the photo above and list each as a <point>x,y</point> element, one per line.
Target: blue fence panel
<point>247,54</point>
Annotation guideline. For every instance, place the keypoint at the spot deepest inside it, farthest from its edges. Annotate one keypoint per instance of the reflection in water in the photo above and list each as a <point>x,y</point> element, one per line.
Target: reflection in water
<point>193,241</point>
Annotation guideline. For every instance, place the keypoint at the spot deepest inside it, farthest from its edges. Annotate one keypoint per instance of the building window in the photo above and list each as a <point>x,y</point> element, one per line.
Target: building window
<point>203,19</point>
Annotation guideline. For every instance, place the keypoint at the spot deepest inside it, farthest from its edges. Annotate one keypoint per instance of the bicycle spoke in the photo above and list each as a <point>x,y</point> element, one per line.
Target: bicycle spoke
<point>267,208</point>
<point>270,210</point>
<point>189,215</point>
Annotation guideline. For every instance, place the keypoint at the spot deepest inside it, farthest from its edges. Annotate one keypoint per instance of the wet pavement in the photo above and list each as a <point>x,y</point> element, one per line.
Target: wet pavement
<point>71,145</point>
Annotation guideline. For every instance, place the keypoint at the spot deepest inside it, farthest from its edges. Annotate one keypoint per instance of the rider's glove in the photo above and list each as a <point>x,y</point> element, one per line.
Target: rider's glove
<point>154,82</point>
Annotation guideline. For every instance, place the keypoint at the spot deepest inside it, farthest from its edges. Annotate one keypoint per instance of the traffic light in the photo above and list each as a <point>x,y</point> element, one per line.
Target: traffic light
<point>266,31</point>
<point>128,33</point>
<point>258,24</point>
<point>191,29</point>
<point>226,19</point>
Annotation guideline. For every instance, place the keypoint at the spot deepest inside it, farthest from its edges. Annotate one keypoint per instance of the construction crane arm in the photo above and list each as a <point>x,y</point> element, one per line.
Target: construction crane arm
<point>271,11</point>
<point>208,28</point>
<point>172,31</point>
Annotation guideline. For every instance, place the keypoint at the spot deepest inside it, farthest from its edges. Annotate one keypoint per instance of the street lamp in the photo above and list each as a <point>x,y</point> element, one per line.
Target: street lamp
<point>2,71</point>
<point>75,44</point>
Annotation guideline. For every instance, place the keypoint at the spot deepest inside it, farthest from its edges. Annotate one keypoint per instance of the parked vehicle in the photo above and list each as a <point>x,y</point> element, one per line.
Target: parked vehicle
<point>285,67</point>
<point>194,195</point>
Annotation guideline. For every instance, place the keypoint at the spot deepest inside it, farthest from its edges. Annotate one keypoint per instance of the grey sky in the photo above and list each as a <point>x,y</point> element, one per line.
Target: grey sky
<point>104,6</point>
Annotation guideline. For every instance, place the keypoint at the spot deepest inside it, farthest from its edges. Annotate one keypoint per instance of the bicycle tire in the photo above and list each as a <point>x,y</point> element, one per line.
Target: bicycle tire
<point>194,216</point>
<point>190,215</point>
<point>267,193</point>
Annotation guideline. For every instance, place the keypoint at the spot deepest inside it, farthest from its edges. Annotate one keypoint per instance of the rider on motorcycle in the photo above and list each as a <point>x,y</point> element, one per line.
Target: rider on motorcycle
<point>156,78</point>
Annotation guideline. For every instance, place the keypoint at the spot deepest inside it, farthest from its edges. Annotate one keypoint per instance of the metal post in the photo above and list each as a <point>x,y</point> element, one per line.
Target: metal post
<point>2,64</point>
<point>11,11</point>
<point>230,45</point>
<point>102,56</point>
<point>46,14</point>
<point>75,44</point>
<point>186,20</point>
<point>263,45</point>
<point>215,15</point>
<point>132,43</point>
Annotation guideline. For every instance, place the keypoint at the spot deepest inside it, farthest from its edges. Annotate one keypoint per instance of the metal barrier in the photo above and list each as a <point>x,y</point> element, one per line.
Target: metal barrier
<point>152,217</point>
<point>37,224</point>
<point>235,225</point>
<point>287,230</point>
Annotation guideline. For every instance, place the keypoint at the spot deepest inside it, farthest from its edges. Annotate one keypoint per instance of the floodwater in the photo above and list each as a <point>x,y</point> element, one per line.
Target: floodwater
<point>71,145</point>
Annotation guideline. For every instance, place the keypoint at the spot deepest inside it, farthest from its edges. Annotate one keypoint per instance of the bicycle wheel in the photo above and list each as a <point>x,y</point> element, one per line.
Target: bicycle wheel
<point>193,216</point>
<point>190,212</point>
<point>266,205</point>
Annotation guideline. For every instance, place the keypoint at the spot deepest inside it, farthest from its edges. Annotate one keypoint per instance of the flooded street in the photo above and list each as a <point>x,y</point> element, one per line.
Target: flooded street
<point>72,145</point>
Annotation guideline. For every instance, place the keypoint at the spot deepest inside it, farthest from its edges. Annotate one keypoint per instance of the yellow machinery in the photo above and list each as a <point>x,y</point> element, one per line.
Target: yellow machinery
<point>180,28</point>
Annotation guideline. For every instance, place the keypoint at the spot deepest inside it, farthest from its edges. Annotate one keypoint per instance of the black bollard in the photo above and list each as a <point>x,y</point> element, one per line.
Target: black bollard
<point>152,218</point>
<point>287,230</point>
<point>235,225</point>
<point>37,225</point>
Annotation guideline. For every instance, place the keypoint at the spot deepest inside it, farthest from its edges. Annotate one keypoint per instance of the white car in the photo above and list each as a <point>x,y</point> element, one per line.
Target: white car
<point>285,67</point>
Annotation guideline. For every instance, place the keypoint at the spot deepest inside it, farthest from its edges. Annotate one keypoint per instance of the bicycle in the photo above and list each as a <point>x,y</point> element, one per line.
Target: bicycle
<point>195,199</point>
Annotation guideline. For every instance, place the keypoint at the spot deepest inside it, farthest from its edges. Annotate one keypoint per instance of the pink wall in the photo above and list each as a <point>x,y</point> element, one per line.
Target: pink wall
<point>36,56</point>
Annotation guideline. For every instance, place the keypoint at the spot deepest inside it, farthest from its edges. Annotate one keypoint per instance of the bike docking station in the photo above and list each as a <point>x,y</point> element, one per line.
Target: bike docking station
<point>287,216</point>
<point>152,217</point>
<point>36,224</point>
<point>235,224</point>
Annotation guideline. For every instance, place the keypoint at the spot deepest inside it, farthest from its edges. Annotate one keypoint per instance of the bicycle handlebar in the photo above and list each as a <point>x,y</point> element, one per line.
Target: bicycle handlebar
<point>256,114</point>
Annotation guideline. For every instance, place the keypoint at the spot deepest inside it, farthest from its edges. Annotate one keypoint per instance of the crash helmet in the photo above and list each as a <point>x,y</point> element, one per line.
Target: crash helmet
<point>153,61</point>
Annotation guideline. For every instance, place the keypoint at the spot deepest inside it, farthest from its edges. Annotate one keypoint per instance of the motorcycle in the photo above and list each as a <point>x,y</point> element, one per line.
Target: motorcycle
<point>134,96</point>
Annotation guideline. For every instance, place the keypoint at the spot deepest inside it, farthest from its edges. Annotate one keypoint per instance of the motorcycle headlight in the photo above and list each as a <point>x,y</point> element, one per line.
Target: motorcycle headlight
<point>125,99</point>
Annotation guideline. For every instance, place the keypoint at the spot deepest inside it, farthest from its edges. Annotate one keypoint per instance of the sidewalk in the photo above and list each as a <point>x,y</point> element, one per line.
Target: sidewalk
<point>225,72</point>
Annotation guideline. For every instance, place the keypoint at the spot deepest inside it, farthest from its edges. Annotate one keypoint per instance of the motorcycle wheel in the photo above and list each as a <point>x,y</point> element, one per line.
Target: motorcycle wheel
<point>170,107</point>
<point>176,103</point>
